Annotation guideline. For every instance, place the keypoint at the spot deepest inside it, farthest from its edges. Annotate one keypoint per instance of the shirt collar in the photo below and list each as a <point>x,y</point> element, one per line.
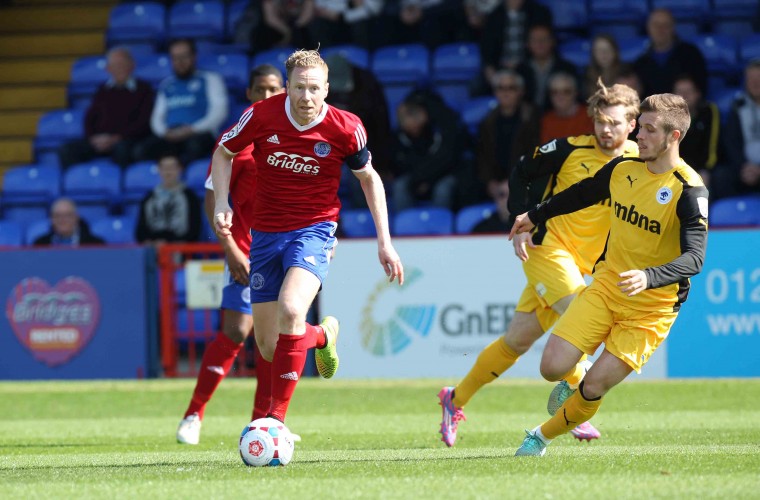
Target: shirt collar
<point>130,84</point>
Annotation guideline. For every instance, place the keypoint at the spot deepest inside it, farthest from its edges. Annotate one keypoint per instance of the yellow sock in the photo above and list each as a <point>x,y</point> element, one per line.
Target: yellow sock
<point>574,412</point>
<point>495,359</point>
<point>574,376</point>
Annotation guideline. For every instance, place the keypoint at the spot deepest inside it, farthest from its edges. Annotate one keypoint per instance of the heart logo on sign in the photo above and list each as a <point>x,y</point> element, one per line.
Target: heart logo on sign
<point>54,323</point>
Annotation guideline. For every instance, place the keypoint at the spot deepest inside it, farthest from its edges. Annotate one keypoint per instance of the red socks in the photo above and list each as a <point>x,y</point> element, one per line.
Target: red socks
<point>263,397</point>
<point>216,364</point>
<point>287,366</point>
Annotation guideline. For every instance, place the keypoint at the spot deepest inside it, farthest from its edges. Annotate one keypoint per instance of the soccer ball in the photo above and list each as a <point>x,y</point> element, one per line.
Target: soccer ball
<point>266,441</point>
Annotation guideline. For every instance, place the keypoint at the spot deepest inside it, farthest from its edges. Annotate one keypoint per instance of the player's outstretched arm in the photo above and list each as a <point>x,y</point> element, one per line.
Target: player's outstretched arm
<point>374,193</point>
<point>221,172</point>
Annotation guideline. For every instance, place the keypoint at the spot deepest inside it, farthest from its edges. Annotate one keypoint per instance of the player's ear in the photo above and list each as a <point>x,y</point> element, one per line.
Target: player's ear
<point>327,88</point>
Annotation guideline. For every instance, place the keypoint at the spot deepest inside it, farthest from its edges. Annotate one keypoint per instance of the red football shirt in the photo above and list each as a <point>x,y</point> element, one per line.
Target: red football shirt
<point>242,182</point>
<point>298,167</point>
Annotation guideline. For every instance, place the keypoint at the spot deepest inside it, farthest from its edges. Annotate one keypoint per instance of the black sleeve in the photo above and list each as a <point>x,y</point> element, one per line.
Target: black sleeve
<point>733,140</point>
<point>529,178</point>
<point>580,195</point>
<point>142,232</point>
<point>194,225</point>
<point>693,240</point>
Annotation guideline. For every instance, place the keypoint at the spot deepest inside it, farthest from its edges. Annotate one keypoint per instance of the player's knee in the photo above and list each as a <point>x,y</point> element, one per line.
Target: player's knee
<point>290,313</point>
<point>550,370</point>
<point>593,389</point>
<point>236,333</point>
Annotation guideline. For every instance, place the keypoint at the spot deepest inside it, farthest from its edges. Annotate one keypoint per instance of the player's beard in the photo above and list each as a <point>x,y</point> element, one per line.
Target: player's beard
<point>611,143</point>
<point>652,154</point>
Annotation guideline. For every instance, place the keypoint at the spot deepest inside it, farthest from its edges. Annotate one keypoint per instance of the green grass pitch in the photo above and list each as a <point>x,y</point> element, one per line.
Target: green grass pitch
<point>378,439</point>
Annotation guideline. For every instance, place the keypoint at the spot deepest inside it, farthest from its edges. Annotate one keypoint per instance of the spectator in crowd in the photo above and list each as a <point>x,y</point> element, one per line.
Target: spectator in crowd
<point>504,37</point>
<point>668,57</point>
<point>507,132</point>
<point>282,23</point>
<point>431,22</point>
<point>567,116</point>
<point>118,117</point>
<point>499,220</point>
<point>542,62</point>
<point>357,90</point>
<point>427,149</point>
<point>628,76</point>
<point>66,228</point>
<point>477,12</point>
<point>741,174</point>
<point>699,148</point>
<point>605,64</point>
<point>344,21</point>
<point>190,107</point>
<point>171,212</point>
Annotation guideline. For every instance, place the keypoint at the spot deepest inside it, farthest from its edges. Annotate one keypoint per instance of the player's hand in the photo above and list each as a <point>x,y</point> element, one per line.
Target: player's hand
<point>634,282</point>
<point>519,242</point>
<point>523,224</point>
<point>238,263</point>
<point>223,221</point>
<point>391,263</point>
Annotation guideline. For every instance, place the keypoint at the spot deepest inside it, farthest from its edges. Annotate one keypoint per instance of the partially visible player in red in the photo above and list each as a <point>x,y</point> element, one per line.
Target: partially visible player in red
<point>237,322</point>
<point>300,144</point>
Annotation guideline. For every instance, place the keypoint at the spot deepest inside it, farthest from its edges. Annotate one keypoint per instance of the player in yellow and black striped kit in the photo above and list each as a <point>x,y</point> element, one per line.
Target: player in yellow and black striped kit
<point>560,252</point>
<point>657,240</point>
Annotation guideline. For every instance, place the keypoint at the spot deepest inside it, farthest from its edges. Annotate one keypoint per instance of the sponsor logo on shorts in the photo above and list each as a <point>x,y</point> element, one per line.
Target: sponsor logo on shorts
<point>541,289</point>
<point>297,163</point>
<point>257,281</point>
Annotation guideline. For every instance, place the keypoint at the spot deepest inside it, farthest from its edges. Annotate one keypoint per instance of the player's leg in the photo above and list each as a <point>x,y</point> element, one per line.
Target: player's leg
<point>218,356</point>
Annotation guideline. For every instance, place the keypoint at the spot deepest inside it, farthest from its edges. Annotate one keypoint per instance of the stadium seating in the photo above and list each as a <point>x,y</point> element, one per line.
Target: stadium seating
<point>733,27</point>
<point>685,11</point>
<point>137,22</point>
<point>577,51</point>
<point>235,11</point>
<point>139,179</point>
<point>724,99</point>
<point>394,94</point>
<point>468,217</point>
<point>455,95</point>
<point>197,19</point>
<point>356,55</point>
<point>749,48</point>
<point>475,110</point>
<point>421,221</point>
<point>719,52</point>
<point>736,211</point>
<point>97,181</point>
<point>606,11</point>
<point>631,48</point>
<point>31,185</point>
<point>11,233</point>
<point>57,127</point>
<point>456,62</point>
<point>116,230</point>
<point>402,64</point>
<point>87,73</point>
<point>569,16</point>
<point>276,57</point>
<point>735,9</point>
<point>25,214</point>
<point>153,68</point>
<point>94,211</point>
<point>357,223</point>
<point>36,229</point>
<point>195,174</point>
<point>232,67</point>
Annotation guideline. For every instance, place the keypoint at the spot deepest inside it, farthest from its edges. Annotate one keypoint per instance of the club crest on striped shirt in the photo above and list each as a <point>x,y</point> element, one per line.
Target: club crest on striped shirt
<point>322,149</point>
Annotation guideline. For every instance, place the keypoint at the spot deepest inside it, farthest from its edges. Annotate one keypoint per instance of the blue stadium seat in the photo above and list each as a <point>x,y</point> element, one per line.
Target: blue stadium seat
<point>235,109</point>
<point>719,51</point>
<point>57,127</point>
<point>97,181</point>
<point>577,51</point>
<point>394,94</point>
<point>456,62</point>
<point>409,63</point>
<point>605,11</point>
<point>197,19</point>
<point>195,174</point>
<point>617,30</point>
<point>36,229</point>
<point>468,217</point>
<point>568,15</point>
<point>92,212</point>
<point>153,68</point>
<point>358,56</point>
<point>735,9</point>
<point>423,221</point>
<point>734,27</point>
<point>475,110</point>
<point>137,22</point>
<point>139,179</point>
<point>455,95</point>
<point>357,223</point>
<point>724,99</point>
<point>631,48</point>
<point>11,233</point>
<point>232,67</point>
<point>749,48</point>
<point>235,11</point>
<point>31,185</point>
<point>685,10</point>
<point>736,211</point>
<point>276,57</point>
<point>25,214</point>
<point>114,229</point>
<point>87,73</point>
